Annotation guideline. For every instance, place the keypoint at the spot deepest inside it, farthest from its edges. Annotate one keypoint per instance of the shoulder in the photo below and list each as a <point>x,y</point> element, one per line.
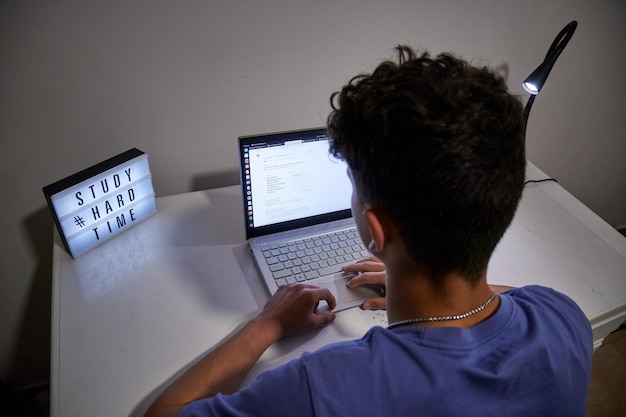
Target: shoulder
<point>543,297</point>
<point>551,309</point>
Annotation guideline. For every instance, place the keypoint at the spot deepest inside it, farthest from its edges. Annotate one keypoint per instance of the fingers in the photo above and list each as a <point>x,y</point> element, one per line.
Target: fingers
<point>379,278</point>
<point>371,271</point>
<point>370,259</point>
<point>365,265</point>
<point>320,294</point>
<point>305,295</point>
<point>329,298</point>
<point>323,319</point>
<point>379,303</point>
<point>293,308</point>
<point>315,318</point>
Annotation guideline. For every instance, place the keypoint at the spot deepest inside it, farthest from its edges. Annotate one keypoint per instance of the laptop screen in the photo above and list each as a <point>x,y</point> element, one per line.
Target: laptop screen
<point>290,180</point>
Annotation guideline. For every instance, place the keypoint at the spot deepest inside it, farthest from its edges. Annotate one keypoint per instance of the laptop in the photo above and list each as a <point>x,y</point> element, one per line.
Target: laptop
<point>298,222</point>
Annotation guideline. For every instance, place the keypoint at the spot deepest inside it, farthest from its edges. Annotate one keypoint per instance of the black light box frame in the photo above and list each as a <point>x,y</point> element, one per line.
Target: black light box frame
<point>96,204</point>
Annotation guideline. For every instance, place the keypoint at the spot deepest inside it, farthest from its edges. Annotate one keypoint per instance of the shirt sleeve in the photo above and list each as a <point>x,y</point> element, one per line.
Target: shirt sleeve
<point>283,391</point>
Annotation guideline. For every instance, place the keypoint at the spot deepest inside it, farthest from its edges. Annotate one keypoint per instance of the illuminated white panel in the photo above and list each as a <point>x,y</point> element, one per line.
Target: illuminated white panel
<point>111,226</point>
<point>100,187</point>
<point>102,201</point>
<point>118,200</point>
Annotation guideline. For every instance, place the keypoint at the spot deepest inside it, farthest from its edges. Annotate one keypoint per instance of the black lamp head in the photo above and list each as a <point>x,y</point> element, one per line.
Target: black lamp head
<point>537,78</point>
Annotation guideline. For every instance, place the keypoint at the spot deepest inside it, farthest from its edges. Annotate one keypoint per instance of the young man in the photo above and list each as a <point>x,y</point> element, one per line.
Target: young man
<point>435,149</point>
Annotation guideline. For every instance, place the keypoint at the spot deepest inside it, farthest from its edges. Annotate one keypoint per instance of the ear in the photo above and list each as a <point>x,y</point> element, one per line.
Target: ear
<point>379,228</point>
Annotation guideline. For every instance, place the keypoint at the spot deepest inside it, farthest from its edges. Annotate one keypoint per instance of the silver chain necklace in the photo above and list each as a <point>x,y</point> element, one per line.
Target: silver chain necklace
<point>444,318</point>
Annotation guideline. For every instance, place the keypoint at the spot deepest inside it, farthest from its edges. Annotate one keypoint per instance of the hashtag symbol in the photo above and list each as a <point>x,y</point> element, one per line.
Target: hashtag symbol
<point>79,221</point>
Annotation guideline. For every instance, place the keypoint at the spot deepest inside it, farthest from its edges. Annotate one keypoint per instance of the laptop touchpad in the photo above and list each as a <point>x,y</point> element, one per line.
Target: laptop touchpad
<point>348,297</point>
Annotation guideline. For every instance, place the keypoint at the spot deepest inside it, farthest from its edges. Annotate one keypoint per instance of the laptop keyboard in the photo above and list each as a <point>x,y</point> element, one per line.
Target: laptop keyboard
<point>312,258</point>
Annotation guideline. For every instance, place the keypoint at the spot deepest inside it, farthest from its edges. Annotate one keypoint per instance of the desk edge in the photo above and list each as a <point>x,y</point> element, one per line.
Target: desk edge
<point>55,366</point>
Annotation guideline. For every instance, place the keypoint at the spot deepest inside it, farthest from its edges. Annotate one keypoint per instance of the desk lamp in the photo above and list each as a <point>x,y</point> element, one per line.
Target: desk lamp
<point>538,77</point>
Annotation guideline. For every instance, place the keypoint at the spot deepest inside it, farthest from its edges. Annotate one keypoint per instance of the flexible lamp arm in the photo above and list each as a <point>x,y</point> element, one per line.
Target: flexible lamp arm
<point>534,82</point>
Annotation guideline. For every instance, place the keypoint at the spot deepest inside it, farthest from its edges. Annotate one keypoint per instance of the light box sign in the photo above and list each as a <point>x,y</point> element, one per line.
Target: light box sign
<point>102,201</point>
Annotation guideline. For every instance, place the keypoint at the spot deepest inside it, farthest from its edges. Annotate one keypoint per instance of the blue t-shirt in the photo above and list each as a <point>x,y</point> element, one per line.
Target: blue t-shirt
<point>531,358</point>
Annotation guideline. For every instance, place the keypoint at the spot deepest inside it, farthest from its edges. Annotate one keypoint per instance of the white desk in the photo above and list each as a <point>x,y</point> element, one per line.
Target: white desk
<point>130,315</point>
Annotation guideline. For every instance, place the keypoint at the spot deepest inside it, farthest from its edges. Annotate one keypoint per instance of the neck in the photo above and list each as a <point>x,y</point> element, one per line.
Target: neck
<point>414,295</point>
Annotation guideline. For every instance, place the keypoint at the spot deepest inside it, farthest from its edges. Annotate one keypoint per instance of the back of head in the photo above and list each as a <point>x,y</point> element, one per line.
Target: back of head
<point>439,145</point>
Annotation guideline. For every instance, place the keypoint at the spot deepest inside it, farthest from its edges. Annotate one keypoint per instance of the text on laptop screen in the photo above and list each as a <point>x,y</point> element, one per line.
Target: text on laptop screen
<point>292,179</point>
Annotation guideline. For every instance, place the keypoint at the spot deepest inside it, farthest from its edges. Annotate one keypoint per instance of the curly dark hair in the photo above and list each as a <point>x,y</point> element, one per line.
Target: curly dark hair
<point>438,144</point>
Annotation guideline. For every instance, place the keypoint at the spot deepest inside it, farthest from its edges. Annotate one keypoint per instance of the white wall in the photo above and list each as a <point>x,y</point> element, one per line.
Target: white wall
<point>83,80</point>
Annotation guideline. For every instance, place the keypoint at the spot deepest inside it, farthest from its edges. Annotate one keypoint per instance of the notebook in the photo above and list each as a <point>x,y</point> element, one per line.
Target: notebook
<point>298,223</point>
